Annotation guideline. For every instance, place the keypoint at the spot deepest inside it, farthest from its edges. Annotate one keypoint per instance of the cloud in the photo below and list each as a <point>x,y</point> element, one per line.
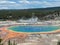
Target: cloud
<point>57,0</point>
<point>7,2</point>
<point>28,4</point>
<point>55,3</point>
<point>24,1</point>
<point>4,8</point>
<point>51,4</point>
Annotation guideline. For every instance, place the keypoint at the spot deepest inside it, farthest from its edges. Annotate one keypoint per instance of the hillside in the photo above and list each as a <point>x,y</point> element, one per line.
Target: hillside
<point>41,13</point>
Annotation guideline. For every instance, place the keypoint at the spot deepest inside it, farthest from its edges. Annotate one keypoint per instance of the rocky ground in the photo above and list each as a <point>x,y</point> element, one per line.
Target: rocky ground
<point>37,39</point>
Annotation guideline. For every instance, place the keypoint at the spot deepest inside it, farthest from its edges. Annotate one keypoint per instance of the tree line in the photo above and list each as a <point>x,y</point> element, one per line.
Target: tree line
<point>14,14</point>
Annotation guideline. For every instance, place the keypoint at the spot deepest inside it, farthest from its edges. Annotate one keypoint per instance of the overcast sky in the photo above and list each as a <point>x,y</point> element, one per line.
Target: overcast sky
<point>24,4</point>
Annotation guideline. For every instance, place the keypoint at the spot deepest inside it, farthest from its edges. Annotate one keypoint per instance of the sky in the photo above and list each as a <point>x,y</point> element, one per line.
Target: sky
<point>26,4</point>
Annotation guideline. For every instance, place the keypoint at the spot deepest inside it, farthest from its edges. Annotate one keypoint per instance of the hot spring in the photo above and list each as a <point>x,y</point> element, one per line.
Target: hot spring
<point>34,28</point>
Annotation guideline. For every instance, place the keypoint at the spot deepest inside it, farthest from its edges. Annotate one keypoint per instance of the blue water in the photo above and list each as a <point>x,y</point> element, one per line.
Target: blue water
<point>34,28</point>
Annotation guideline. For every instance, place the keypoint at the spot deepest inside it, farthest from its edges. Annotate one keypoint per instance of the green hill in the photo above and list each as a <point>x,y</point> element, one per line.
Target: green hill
<point>15,14</point>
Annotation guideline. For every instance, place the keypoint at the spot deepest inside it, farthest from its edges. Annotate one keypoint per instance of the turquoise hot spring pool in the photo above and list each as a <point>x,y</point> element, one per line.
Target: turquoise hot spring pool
<point>34,28</point>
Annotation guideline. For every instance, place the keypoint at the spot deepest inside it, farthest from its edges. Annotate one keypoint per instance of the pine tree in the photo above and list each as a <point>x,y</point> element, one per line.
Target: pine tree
<point>58,43</point>
<point>14,43</point>
<point>0,41</point>
<point>9,42</point>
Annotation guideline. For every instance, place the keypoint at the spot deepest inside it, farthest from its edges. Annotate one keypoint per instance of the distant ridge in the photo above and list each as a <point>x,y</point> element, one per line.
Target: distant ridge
<point>31,8</point>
